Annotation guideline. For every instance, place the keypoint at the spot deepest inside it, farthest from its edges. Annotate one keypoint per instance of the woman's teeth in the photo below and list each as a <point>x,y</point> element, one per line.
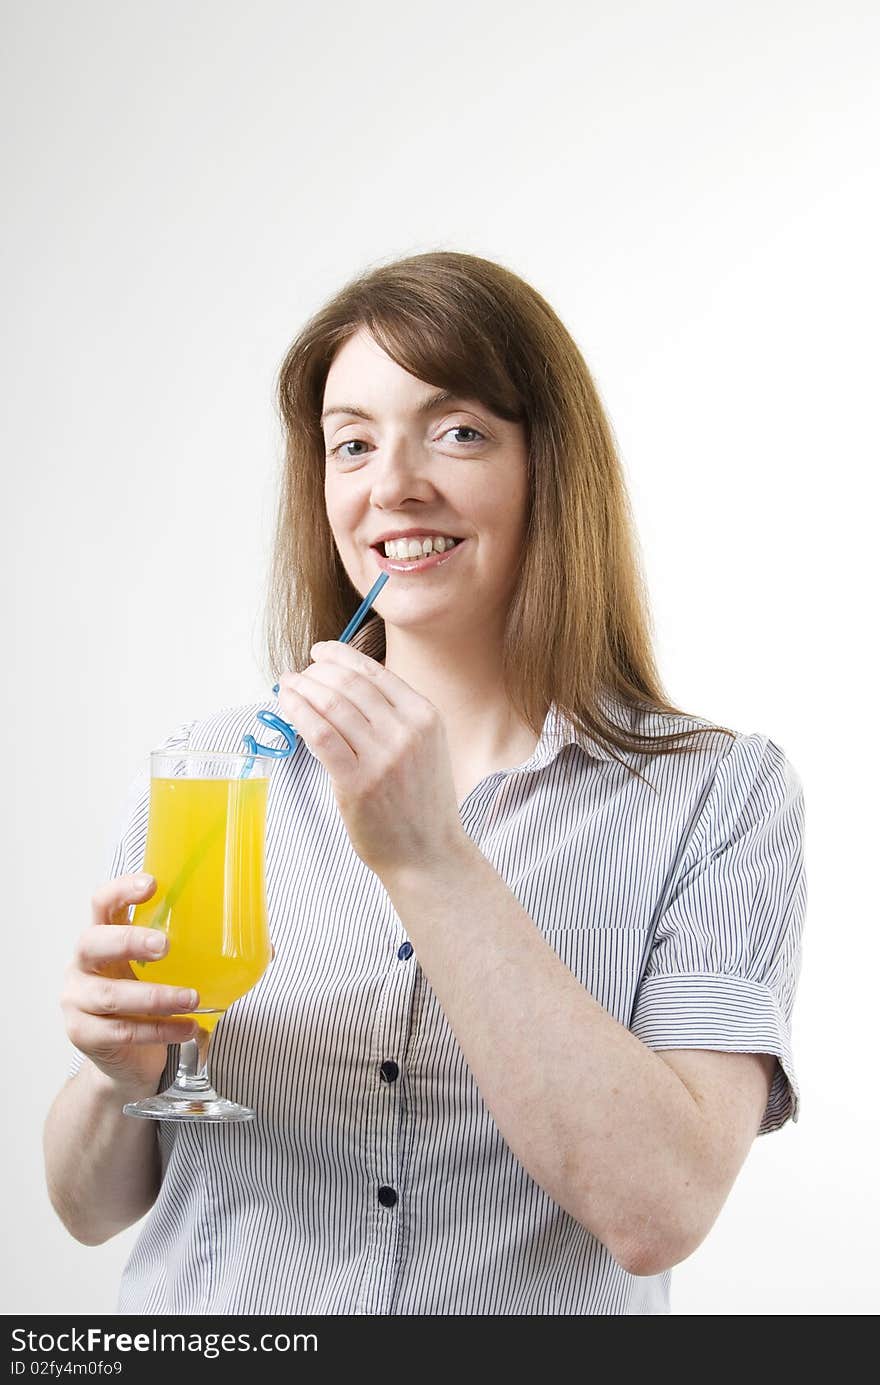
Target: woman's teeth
<point>408,549</point>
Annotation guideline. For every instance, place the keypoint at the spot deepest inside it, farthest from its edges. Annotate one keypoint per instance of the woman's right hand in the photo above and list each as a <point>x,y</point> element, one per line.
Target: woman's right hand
<point>121,1024</point>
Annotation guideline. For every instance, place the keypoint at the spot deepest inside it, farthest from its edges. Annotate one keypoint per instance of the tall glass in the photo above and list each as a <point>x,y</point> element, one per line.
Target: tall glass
<point>206,849</point>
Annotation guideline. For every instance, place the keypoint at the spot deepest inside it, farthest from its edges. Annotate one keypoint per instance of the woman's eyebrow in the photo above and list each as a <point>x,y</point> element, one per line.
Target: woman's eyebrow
<point>430,402</point>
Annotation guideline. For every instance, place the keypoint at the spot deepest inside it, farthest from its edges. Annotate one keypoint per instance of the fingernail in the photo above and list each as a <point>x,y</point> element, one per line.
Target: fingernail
<point>187,1000</point>
<point>142,882</point>
<point>156,942</point>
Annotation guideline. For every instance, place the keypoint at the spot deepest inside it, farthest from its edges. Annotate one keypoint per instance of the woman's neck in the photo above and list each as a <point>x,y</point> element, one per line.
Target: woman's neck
<point>463,681</point>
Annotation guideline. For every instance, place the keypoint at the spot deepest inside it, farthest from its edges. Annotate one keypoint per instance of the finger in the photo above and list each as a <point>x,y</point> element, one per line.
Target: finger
<point>104,995</point>
<point>99,946</point>
<point>323,737</point>
<point>340,694</point>
<point>110,902</point>
<point>96,1035</point>
<point>395,691</point>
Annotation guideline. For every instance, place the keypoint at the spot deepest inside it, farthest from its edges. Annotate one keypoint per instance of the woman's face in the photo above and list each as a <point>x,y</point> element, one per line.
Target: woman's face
<point>396,460</point>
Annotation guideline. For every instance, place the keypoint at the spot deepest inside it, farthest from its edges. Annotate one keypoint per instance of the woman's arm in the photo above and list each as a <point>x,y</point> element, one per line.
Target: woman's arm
<point>102,1168</point>
<point>597,1118</point>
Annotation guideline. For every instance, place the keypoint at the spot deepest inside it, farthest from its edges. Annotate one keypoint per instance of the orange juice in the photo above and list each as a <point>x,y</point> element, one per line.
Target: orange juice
<point>206,849</point>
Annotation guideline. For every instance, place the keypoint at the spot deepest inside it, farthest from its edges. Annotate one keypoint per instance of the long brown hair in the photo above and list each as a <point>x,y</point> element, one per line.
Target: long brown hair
<point>578,625</point>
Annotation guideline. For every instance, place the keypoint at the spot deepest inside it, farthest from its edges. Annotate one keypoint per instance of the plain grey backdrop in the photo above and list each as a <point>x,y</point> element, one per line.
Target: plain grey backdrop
<point>692,187</point>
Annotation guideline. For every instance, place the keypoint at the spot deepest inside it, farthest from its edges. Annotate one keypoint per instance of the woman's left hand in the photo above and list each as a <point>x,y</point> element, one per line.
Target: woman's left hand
<point>385,749</point>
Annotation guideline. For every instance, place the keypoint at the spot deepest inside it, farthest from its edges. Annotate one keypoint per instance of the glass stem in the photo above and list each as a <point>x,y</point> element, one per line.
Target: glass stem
<point>192,1072</point>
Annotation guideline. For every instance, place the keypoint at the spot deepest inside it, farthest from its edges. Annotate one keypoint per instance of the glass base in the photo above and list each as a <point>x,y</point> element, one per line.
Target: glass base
<point>190,1096</point>
<point>206,1106</point>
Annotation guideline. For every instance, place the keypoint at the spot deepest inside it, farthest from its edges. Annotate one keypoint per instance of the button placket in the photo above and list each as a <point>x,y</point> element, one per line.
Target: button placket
<point>389,1036</point>
<point>393,1034</point>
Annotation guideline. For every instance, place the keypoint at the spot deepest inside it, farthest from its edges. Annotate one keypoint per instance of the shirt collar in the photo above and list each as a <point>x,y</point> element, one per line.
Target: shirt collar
<point>557,732</point>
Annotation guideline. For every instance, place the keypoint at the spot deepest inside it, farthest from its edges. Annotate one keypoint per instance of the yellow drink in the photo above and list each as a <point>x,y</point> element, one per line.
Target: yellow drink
<point>205,847</point>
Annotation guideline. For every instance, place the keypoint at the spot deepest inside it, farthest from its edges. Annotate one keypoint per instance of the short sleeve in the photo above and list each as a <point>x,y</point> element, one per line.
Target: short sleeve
<point>129,840</point>
<point>726,956</point>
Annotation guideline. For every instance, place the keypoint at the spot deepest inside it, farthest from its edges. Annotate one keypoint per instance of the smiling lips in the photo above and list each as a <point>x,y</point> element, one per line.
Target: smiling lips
<point>416,564</point>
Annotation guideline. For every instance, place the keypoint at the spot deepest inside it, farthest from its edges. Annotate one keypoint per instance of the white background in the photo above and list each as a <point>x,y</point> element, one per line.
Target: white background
<point>690,185</point>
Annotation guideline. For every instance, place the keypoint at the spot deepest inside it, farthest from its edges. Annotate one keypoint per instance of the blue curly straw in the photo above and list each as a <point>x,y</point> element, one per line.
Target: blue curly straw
<point>274,722</point>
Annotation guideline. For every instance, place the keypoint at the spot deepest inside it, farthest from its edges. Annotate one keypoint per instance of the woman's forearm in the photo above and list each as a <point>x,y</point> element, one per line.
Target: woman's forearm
<point>102,1168</point>
<point>594,1115</point>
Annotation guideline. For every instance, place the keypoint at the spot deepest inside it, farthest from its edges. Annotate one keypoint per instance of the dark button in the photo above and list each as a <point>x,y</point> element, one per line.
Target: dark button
<point>387,1197</point>
<point>389,1070</point>
<point>404,951</point>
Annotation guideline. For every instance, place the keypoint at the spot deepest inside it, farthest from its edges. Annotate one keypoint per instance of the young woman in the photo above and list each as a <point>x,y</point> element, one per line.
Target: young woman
<point>537,930</point>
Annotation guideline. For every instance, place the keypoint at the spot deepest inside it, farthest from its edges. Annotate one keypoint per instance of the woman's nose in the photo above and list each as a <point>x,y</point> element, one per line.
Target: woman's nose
<point>401,472</point>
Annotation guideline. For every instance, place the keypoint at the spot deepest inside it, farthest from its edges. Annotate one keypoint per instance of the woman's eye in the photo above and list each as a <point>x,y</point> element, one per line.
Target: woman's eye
<point>463,428</point>
<point>337,451</point>
<point>349,442</point>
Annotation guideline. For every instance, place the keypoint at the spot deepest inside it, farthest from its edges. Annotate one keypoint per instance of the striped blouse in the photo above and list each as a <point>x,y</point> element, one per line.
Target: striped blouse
<point>374,1179</point>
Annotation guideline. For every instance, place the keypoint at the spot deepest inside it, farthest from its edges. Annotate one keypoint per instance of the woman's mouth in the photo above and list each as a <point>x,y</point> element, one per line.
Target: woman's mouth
<point>433,560</point>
